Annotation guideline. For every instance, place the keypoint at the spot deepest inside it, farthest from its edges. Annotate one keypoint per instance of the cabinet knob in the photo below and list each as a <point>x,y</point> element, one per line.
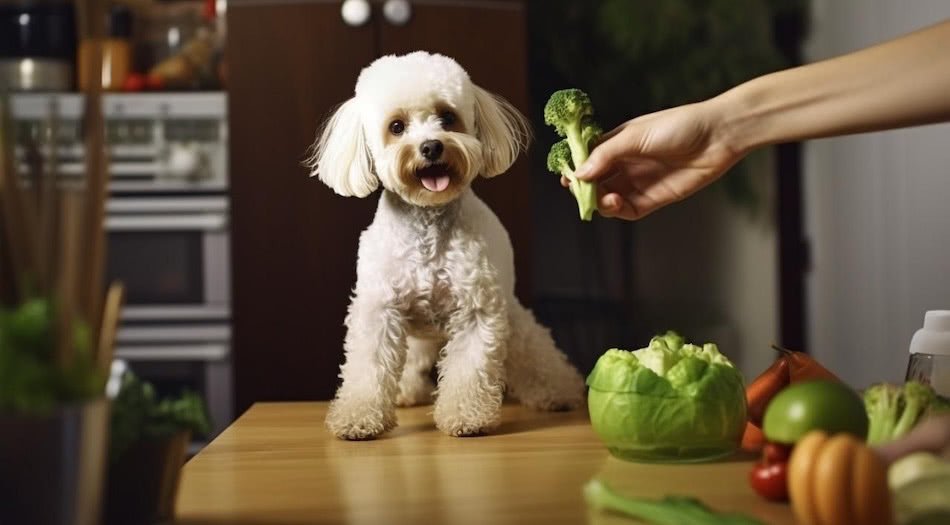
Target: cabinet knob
<point>397,12</point>
<point>355,12</point>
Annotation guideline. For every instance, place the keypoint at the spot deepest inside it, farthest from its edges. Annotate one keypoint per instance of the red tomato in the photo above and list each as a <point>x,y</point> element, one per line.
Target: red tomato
<point>775,453</point>
<point>769,481</point>
<point>134,82</point>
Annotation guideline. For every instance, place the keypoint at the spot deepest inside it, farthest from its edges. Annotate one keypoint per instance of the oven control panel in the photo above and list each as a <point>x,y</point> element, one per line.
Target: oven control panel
<point>157,142</point>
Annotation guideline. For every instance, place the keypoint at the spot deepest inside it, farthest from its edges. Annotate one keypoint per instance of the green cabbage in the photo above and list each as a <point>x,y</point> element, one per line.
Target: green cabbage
<point>669,401</point>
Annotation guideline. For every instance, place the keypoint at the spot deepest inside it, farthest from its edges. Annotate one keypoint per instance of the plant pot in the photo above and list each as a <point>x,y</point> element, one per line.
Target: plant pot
<point>52,467</point>
<point>143,483</point>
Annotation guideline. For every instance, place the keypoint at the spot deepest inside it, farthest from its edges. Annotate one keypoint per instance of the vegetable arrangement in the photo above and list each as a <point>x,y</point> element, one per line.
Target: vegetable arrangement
<point>570,112</point>
<point>675,402</point>
<point>670,401</point>
<point>793,412</point>
<point>137,414</point>
<point>790,367</point>
<point>815,436</point>
<point>838,480</point>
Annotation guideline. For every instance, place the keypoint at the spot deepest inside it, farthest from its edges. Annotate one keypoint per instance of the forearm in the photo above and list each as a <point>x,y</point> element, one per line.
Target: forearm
<point>903,82</point>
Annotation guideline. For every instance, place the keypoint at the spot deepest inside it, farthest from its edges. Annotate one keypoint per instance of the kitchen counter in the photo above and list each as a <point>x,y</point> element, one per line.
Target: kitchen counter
<point>277,464</point>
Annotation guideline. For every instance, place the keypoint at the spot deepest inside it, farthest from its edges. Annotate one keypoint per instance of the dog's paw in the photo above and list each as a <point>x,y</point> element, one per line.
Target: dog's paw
<point>415,393</point>
<point>467,423</point>
<point>463,429</point>
<point>358,421</point>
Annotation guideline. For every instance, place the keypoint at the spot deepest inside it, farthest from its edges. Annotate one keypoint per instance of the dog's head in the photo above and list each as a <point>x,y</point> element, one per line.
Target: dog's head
<point>420,126</point>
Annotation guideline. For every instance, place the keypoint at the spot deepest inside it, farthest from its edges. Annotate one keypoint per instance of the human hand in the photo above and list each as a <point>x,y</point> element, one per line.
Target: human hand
<point>656,159</point>
<point>931,435</point>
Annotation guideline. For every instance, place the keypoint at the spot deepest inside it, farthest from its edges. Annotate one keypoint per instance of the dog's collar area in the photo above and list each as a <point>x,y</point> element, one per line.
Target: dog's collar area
<point>444,213</point>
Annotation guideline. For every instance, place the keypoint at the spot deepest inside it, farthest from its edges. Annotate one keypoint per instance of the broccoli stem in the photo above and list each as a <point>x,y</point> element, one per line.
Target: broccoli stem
<point>585,192</point>
<point>586,195</point>
<point>912,410</point>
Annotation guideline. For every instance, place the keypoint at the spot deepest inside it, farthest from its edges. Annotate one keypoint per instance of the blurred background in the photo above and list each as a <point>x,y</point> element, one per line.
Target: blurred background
<point>239,267</point>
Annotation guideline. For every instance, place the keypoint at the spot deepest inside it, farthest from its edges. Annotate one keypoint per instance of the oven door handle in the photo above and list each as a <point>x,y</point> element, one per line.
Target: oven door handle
<point>199,352</point>
<point>204,222</point>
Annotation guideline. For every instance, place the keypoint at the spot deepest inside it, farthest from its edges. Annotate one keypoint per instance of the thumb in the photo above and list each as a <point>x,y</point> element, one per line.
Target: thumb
<point>606,155</point>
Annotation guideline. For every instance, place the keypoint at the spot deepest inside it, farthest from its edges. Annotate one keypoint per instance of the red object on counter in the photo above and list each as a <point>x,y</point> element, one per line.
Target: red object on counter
<point>769,477</point>
<point>770,481</point>
<point>776,453</point>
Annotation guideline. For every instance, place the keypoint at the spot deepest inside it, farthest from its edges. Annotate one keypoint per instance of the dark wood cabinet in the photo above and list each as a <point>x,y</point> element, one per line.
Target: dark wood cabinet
<point>294,241</point>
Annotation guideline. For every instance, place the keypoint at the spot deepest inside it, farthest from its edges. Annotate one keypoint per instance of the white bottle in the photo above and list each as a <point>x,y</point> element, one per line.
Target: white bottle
<point>930,352</point>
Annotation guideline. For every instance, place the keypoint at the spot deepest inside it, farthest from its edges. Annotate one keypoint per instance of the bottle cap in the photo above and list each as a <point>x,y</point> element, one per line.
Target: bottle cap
<point>934,337</point>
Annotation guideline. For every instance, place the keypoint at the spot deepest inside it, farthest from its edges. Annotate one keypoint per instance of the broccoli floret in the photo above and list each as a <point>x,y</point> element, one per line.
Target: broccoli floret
<point>569,111</point>
<point>565,110</point>
<point>590,131</point>
<point>882,403</point>
<point>559,160</point>
<point>917,398</point>
<point>893,410</point>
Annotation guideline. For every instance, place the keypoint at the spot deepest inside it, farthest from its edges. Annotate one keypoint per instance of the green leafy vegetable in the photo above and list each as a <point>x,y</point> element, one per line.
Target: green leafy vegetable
<point>669,401</point>
<point>31,382</point>
<point>894,410</point>
<point>671,510</point>
<point>138,414</point>
<point>570,112</point>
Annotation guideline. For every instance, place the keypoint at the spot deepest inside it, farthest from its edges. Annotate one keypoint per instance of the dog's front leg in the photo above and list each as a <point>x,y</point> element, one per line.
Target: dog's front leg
<point>375,348</point>
<point>471,371</point>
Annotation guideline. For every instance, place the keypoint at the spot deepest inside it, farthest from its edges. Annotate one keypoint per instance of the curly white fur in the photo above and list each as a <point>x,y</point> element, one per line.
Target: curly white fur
<point>435,271</point>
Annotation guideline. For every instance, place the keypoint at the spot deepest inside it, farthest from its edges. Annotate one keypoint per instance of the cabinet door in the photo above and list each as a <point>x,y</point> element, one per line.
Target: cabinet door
<point>489,40</point>
<point>294,241</point>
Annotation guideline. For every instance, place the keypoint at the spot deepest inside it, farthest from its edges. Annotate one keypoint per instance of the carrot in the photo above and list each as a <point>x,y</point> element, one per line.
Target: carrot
<point>752,439</point>
<point>763,388</point>
<point>803,367</point>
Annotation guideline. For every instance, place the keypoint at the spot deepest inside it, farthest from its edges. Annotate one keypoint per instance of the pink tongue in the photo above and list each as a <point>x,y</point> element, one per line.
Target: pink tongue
<point>437,183</point>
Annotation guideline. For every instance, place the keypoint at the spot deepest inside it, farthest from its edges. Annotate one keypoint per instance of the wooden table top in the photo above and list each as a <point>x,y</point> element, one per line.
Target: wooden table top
<point>277,464</point>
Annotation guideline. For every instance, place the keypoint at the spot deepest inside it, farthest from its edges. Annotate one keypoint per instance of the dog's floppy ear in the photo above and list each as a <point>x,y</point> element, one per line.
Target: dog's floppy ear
<point>341,157</point>
<point>502,129</point>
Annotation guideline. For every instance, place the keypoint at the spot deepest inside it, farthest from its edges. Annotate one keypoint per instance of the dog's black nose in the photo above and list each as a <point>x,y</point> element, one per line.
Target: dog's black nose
<point>431,149</point>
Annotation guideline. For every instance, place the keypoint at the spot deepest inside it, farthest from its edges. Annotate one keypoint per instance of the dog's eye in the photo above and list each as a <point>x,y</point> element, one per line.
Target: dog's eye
<point>396,127</point>
<point>447,118</point>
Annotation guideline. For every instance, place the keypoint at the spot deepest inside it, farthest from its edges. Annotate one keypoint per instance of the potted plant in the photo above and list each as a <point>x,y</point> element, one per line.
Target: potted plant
<point>53,419</point>
<point>149,441</point>
<point>57,327</point>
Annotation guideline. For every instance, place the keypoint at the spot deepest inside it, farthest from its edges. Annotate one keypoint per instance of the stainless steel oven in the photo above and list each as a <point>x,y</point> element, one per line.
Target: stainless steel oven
<point>172,253</point>
<point>167,219</point>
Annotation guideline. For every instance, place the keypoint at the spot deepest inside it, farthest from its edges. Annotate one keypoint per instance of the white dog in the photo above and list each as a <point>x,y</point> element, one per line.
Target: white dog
<point>435,268</point>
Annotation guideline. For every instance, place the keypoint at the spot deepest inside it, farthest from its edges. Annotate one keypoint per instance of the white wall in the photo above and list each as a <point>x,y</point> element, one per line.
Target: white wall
<point>877,210</point>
